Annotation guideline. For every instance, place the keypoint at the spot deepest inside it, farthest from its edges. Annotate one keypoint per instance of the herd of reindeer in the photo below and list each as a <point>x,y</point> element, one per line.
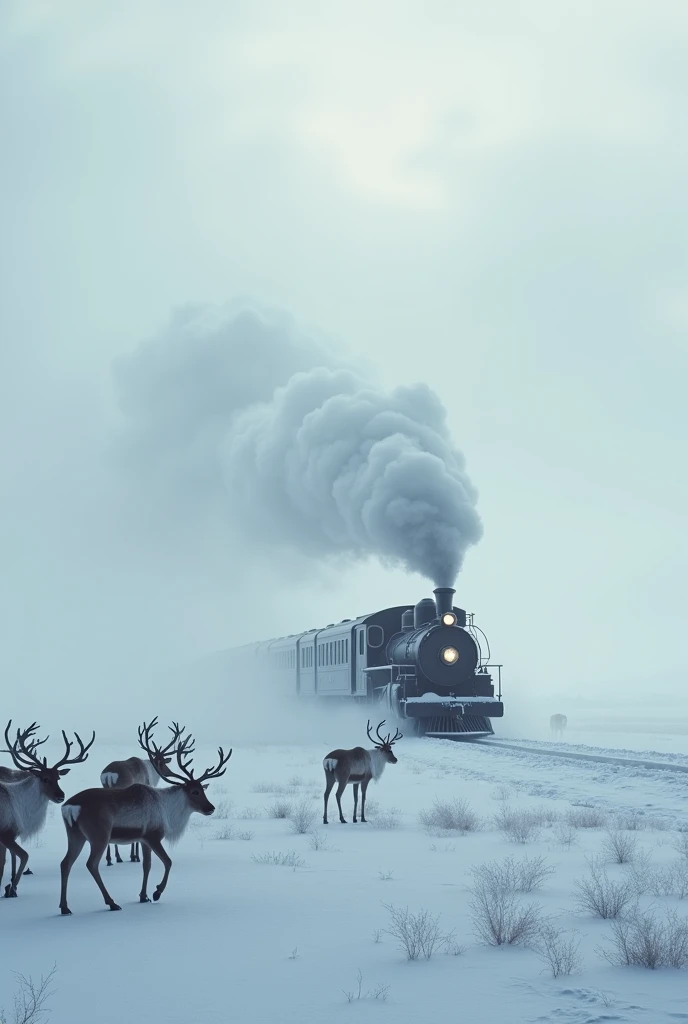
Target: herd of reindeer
<point>129,808</point>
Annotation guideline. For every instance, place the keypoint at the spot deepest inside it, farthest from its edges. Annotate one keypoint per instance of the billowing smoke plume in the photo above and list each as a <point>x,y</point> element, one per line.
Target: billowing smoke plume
<point>237,410</point>
<point>332,466</point>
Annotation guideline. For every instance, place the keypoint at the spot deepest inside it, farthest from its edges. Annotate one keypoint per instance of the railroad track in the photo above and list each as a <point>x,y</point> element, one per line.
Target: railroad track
<point>627,762</point>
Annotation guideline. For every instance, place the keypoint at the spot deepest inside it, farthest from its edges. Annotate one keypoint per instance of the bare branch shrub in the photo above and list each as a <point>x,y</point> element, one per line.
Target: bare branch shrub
<point>450,816</point>
<point>561,954</point>
<point>388,819</point>
<point>286,860</point>
<point>544,815</point>
<point>565,834</point>
<point>379,992</point>
<point>620,846</point>
<point>274,788</point>
<point>519,825</point>
<point>372,807</point>
<point>680,843</point>
<point>245,835</point>
<point>642,872</point>
<point>513,875</point>
<point>602,897</point>
<point>280,809</point>
<point>645,941</point>
<point>629,821</point>
<point>586,816</point>
<point>249,814</point>
<point>419,935</point>
<point>30,1001</point>
<point>317,840</point>
<point>301,817</point>
<point>223,809</point>
<point>386,876</point>
<point>225,832</point>
<point>503,792</point>
<point>499,917</point>
<point>671,880</point>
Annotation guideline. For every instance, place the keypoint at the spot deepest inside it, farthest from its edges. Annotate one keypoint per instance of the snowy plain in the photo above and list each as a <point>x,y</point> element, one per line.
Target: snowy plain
<point>234,938</point>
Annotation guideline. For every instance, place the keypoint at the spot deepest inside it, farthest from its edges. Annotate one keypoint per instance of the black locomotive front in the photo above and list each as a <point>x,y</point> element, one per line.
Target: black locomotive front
<point>438,674</point>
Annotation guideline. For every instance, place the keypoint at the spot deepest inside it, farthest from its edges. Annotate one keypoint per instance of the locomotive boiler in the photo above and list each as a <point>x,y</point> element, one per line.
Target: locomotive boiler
<point>427,664</point>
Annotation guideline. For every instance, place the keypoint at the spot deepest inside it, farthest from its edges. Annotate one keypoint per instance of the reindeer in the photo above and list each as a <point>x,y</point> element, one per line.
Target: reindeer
<point>557,724</point>
<point>120,774</point>
<point>10,775</point>
<point>137,814</point>
<point>357,766</point>
<point>24,803</point>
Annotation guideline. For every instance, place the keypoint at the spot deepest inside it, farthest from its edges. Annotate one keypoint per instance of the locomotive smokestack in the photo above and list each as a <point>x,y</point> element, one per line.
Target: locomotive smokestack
<point>444,599</point>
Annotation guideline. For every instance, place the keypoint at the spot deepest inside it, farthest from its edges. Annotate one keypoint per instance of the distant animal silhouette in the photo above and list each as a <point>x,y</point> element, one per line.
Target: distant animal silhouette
<point>557,724</point>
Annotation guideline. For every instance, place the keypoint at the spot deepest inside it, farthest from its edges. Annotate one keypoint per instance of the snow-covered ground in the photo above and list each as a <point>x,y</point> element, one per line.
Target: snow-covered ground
<point>236,939</point>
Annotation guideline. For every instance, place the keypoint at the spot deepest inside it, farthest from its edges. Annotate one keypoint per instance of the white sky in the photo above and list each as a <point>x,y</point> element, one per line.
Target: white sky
<point>489,197</point>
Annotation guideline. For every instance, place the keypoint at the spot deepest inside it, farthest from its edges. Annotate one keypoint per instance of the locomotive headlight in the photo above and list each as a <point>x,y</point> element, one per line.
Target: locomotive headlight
<point>449,619</point>
<point>449,655</point>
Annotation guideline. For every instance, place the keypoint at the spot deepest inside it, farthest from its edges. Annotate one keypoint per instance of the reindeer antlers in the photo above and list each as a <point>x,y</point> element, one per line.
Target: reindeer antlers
<point>185,748</point>
<point>387,741</point>
<point>158,753</point>
<point>23,750</point>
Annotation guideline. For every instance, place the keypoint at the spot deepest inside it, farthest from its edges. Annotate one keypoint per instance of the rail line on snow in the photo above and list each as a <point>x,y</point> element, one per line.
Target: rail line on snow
<point>627,762</point>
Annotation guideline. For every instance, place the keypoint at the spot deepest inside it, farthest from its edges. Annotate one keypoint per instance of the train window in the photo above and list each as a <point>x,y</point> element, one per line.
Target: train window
<point>361,642</point>
<point>346,651</point>
<point>376,636</point>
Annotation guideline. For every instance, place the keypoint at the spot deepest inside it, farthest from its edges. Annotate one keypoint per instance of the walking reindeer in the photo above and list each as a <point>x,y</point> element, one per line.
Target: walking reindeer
<point>120,774</point>
<point>24,803</point>
<point>357,766</point>
<point>557,724</point>
<point>11,775</point>
<point>137,814</point>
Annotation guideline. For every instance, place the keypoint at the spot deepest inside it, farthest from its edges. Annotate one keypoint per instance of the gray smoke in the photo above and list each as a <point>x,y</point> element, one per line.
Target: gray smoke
<point>333,466</point>
<point>180,391</point>
<point>237,410</point>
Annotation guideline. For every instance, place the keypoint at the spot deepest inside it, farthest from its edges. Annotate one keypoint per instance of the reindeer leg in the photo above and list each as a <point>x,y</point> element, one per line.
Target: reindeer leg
<point>117,856</point>
<point>160,852</point>
<point>340,789</point>
<point>364,790</point>
<point>134,854</point>
<point>94,859</point>
<point>3,857</point>
<point>28,871</point>
<point>356,800</point>
<point>109,858</point>
<point>75,844</point>
<point>329,783</point>
<point>21,855</point>
<point>147,860</point>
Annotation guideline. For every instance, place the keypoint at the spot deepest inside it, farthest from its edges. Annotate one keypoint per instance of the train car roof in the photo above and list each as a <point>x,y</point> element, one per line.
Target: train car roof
<point>349,623</point>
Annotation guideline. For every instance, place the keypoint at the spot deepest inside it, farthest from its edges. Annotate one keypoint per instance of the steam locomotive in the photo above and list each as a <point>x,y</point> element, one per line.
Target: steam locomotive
<point>427,664</point>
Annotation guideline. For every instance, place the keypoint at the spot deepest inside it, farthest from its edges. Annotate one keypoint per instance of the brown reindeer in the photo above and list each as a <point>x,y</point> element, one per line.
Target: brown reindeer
<point>24,802</point>
<point>120,774</point>
<point>137,814</point>
<point>357,766</point>
<point>557,724</point>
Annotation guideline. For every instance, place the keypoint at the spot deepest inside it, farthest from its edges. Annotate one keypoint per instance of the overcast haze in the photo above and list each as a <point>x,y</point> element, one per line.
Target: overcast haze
<point>488,199</point>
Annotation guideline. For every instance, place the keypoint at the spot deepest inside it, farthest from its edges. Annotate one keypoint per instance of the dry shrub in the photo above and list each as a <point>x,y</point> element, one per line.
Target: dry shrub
<point>519,825</point>
<point>565,834</point>
<point>600,896</point>
<point>280,809</point>
<point>419,935</point>
<point>450,816</point>
<point>290,859</point>
<point>513,875</point>
<point>388,819</point>
<point>559,952</point>
<point>643,940</point>
<point>586,816</point>
<point>619,846</point>
<point>301,817</point>
<point>499,917</point>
